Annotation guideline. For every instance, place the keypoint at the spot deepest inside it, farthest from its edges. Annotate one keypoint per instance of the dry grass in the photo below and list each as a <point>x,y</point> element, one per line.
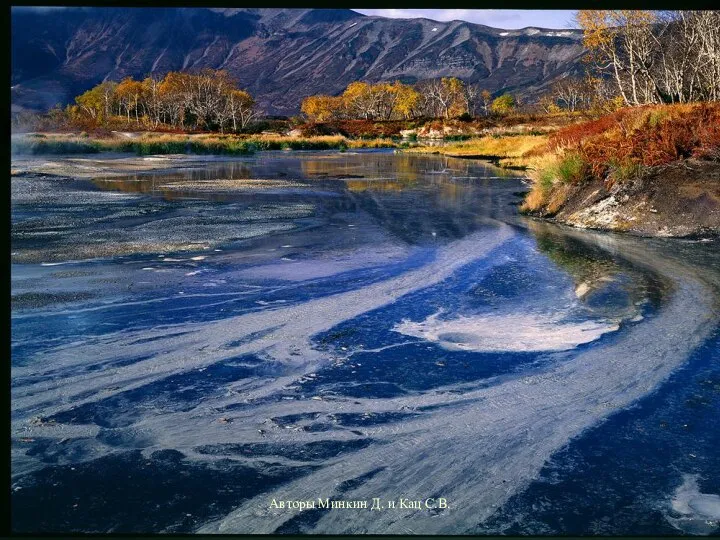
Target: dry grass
<point>649,135</point>
<point>380,142</point>
<point>512,151</point>
<point>619,147</point>
<point>170,143</point>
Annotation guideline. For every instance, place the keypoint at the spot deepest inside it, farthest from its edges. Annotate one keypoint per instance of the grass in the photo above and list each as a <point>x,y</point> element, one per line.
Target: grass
<point>379,142</point>
<point>622,171</point>
<point>554,174</point>
<point>571,168</point>
<point>512,151</point>
<point>621,146</point>
<point>154,143</point>
<point>44,145</point>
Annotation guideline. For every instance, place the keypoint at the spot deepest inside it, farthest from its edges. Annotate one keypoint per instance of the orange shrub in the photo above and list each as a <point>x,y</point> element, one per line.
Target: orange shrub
<point>649,135</point>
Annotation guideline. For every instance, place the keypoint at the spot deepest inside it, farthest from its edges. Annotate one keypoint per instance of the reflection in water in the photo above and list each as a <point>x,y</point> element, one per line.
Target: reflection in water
<point>350,326</point>
<point>604,282</point>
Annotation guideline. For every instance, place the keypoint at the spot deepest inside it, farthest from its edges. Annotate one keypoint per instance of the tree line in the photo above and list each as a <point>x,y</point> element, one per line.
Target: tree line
<point>655,56</point>
<point>446,97</point>
<point>209,99</point>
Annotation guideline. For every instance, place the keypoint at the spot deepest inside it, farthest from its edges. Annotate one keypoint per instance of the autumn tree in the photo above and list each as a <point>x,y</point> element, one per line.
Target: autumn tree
<point>472,98</point>
<point>129,94</point>
<point>485,101</point>
<point>173,94</point>
<point>208,99</point>
<point>386,96</point>
<point>547,104</point>
<point>573,93</point>
<point>97,102</point>
<point>239,106</point>
<point>655,56</point>
<point>321,108</point>
<point>503,104</point>
<point>367,101</point>
<point>408,99</point>
<point>444,97</point>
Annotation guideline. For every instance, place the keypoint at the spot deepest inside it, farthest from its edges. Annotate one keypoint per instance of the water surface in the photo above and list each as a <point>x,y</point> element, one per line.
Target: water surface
<point>205,338</point>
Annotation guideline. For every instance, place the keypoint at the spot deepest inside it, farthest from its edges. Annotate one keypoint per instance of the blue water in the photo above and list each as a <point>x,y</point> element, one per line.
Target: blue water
<point>204,338</point>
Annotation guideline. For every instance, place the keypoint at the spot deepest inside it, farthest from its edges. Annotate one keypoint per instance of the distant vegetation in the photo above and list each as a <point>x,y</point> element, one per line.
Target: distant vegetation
<point>174,143</point>
<point>508,150</point>
<point>209,100</point>
<point>447,97</point>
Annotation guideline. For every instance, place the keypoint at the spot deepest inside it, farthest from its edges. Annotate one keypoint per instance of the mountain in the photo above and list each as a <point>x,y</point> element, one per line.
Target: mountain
<point>279,55</point>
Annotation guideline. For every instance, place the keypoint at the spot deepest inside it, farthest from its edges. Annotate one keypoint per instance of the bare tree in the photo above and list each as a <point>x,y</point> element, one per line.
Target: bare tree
<point>471,95</point>
<point>656,56</point>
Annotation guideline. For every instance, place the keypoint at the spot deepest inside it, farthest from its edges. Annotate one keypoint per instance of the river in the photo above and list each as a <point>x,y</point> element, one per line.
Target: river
<point>201,345</point>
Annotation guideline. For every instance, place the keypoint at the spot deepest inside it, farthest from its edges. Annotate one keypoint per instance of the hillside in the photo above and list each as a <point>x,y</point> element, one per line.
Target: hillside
<point>279,55</point>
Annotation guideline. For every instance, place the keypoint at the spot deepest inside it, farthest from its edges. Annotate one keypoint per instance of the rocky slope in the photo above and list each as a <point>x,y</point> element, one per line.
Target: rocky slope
<point>279,55</point>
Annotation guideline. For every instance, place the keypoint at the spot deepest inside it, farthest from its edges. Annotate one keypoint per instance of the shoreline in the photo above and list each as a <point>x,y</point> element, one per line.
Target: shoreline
<point>679,200</point>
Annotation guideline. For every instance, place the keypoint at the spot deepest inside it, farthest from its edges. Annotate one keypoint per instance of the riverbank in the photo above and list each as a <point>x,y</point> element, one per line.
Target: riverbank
<point>681,199</point>
<point>652,171</point>
<point>501,138</point>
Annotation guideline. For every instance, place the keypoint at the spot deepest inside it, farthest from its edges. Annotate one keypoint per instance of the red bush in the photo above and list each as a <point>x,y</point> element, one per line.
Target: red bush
<point>649,135</point>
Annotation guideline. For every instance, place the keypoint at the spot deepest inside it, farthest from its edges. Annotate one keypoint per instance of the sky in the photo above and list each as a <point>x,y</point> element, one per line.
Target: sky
<point>497,18</point>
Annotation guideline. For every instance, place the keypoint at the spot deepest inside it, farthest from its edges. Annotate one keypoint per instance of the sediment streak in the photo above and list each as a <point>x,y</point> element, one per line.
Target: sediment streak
<point>476,448</point>
<point>490,443</point>
<point>283,334</point>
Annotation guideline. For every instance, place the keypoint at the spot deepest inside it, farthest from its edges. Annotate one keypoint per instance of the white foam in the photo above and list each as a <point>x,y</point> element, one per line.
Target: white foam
<point>699,512</point>
<point>513,332</point>
<point>327,264</point>
<point>293,327</point>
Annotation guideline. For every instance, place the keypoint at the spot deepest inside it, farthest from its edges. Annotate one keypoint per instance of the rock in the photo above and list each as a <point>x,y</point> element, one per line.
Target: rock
<point>582,289</point>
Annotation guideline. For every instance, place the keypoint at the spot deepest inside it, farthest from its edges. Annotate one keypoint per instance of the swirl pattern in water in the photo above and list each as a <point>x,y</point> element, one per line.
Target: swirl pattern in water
<point>201,346</point>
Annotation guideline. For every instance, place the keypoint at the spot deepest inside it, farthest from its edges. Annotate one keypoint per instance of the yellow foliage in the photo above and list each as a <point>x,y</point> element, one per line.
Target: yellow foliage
<point>321,108</point>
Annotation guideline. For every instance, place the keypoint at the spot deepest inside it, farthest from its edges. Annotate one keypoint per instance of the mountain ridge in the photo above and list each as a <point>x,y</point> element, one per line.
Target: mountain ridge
<point>279,55</point>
